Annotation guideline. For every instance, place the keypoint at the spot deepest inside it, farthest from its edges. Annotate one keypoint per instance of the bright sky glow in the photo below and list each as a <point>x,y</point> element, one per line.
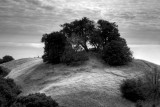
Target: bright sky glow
<point>23,22</point>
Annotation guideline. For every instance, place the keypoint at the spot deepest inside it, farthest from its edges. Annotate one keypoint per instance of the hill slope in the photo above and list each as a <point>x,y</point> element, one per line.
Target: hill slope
<point>92,84</point>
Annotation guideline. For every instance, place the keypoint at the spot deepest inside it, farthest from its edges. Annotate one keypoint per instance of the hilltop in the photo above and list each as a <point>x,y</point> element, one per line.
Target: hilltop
<point>93,84</point>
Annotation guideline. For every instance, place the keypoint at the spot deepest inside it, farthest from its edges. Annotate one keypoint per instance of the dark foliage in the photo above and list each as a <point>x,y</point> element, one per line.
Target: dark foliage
<point>54,47</point>
<point>79,32</point>
<point>1,61</point>
<point>109,31</point>
<point>72,57</point>
<point>138,104</point>
<point>103,36</point>
<point>3,71</point>
<point>146,88</point>
<point>7,58</point>
<point>104,33</point>
<point>133,90</point>
<point>8,92</point>
<point>117,53</point>
<point>35,100</point>
<point>96,41</point>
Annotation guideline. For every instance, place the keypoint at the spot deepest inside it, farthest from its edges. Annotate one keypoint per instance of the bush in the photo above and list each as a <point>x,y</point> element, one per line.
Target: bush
<point>117,53</point>
<point>1,61</point>
<point>8,92</point>
<point>7,58</point>
<point>3,71</point>
<point>71,57</point>
<point>54,47</point>
<point>143,89</point>
<point>35,100</point>
<point>133,90</point>
<point>152,78</point>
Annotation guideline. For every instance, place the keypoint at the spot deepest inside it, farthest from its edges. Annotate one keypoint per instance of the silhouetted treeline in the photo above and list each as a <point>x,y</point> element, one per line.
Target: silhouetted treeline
<point>6,58</point>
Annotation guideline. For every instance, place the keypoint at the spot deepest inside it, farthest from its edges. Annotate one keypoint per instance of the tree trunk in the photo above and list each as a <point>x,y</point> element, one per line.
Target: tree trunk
<point>85,48</point>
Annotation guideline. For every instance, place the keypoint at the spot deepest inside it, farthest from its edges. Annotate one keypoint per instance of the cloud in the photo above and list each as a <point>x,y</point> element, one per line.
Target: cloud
<point>13,44</point>
<point>143,45</point>
<point>35,17</point>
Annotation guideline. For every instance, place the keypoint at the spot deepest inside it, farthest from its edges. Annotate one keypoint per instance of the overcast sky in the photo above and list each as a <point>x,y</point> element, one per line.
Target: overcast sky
<point>23,22</point>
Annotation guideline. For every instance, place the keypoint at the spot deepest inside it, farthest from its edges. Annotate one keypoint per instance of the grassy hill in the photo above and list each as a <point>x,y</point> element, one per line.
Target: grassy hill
<point>93,84</point>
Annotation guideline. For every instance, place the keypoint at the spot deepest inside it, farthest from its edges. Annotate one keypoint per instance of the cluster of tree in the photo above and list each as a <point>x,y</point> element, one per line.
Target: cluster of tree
<point>77,36</point>
<point>143,89</point>
<point>6,58</point>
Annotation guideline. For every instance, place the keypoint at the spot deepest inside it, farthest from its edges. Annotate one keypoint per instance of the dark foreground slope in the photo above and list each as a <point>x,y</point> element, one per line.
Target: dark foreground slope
<point>92,84</point>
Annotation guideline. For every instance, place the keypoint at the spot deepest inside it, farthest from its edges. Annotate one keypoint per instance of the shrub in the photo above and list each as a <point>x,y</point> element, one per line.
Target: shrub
<point>7,58</point>
<point>146,88</point>
<point>71,57</point>
<point>54,47</point>
<point>117,53</point>
<point>1,61</point>
<point>152,78</point>
<point>8,92</point>
<point>35,100</point>
<point>3,71</point>
<point>133,90</point>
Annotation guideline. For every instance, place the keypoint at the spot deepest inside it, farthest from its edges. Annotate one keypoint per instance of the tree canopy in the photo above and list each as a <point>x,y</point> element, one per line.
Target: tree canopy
<point>79,32</point>
<point>6,58</point>
<point>104,33</point>
<point>54,47</point>
<point>117,53</point>
<point>83,34</point>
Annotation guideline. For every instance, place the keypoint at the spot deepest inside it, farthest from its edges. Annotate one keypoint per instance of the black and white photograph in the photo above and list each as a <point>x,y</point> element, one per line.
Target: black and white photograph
<point>79,53</point>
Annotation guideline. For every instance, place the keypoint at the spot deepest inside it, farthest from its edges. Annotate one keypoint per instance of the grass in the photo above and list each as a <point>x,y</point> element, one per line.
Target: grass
<point>92,84</point>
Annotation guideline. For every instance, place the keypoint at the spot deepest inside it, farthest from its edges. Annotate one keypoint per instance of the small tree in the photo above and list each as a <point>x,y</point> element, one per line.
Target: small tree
<point>35,100</point>
<point>7,58</point>
<point>117,53</point>
<point>54,47</point>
